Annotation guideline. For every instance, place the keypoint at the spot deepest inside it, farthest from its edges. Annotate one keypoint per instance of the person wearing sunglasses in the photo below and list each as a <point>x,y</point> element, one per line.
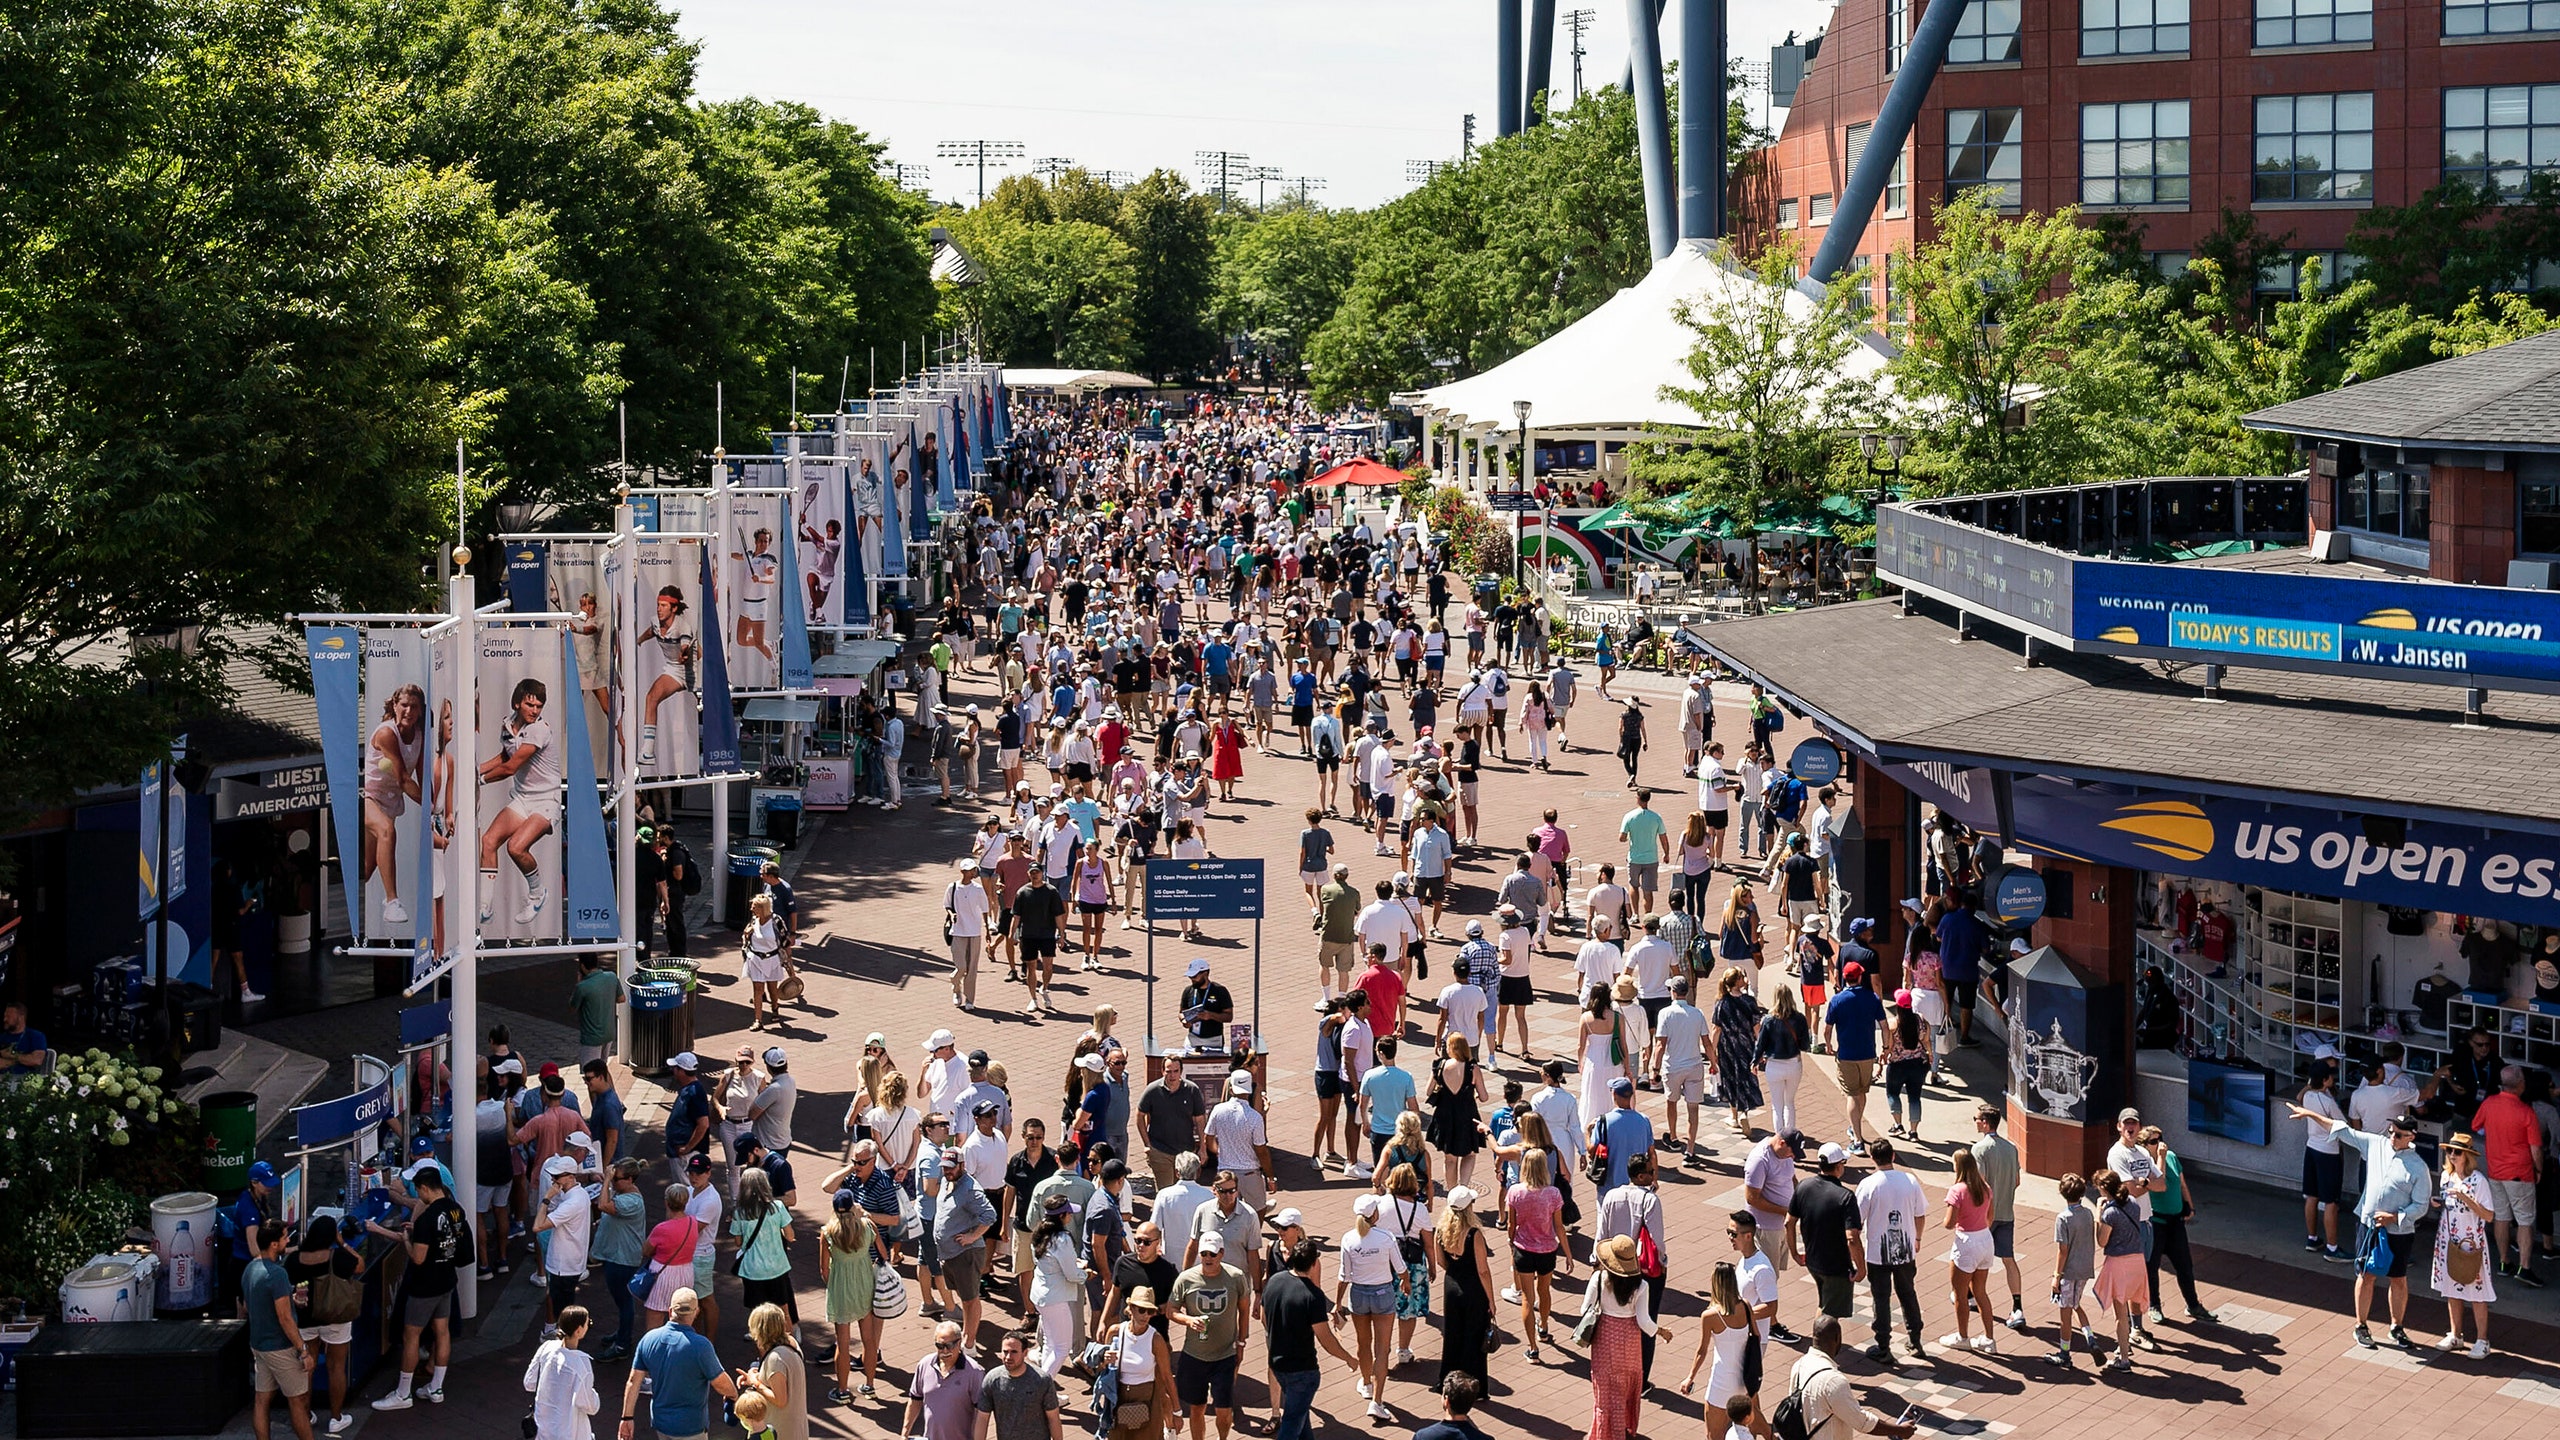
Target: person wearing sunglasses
<point>942,1399</point>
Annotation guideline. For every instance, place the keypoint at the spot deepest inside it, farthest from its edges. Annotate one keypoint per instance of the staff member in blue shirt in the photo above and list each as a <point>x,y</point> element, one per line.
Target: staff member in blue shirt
<point>2397,1191</point>
<point>249,1221</point>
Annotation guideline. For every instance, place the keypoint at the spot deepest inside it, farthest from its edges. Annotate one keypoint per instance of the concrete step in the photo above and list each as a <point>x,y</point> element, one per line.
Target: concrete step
<point>280,1078</point>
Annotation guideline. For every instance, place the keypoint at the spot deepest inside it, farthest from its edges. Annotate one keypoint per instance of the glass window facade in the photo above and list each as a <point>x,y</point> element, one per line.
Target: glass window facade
<point>2134,153</point>
<point>2132,27</point>
<point>2313,22</point>
<point>1987,147</point>
<point>2314,147</point>
<point>2500,17</point>
<point>2501,135</point>
<point>2385,502</point>
<point>1987,31</point>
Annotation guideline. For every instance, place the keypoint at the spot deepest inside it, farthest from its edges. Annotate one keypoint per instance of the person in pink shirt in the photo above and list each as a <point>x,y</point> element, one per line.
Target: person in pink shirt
<point>1969,1263</point>
<point>1557,847</point>
<point>1535,1206</point>
<point>1385,989</point>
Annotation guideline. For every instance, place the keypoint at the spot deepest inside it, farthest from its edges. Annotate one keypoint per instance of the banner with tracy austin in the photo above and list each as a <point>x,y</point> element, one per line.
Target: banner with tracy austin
<point>337,664</point>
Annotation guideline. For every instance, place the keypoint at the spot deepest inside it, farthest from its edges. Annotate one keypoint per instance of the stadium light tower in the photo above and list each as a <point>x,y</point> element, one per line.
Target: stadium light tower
<point>1050,167</point>
<point>978,153</point>
<point>1229,166</point>
<point>1423,172</point>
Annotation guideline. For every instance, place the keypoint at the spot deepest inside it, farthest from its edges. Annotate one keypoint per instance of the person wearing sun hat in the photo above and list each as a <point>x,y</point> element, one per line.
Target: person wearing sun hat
<point>1138,1364</point>
<point>1618,1296</point>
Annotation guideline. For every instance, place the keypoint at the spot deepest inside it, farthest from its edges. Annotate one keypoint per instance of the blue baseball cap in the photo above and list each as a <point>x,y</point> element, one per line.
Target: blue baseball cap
<point>262,1173</point>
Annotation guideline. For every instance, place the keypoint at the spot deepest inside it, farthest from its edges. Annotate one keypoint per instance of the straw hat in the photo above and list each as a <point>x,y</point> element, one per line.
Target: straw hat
<point>2459,1140</point>
<point>1618,1255</point>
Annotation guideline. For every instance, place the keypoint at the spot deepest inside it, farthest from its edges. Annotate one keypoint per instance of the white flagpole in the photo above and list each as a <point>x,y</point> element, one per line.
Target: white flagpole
<point>728,610</point>
<point>463,899</point>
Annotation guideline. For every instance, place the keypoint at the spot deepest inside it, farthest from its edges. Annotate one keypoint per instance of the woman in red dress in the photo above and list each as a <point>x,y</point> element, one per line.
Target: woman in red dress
<point>1226,755</point>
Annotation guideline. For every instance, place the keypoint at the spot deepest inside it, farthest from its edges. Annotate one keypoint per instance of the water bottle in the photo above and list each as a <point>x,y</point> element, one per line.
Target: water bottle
<point>182,1262</point>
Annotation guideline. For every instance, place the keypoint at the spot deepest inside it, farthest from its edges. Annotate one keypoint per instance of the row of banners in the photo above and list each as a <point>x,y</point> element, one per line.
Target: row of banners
<point>635,665</point>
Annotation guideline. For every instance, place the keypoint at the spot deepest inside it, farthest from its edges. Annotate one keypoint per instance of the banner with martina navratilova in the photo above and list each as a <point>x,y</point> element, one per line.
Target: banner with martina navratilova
<point>668,601</point>
<point>750,575</point>
<point>579,589</point>
<point>523,777</point>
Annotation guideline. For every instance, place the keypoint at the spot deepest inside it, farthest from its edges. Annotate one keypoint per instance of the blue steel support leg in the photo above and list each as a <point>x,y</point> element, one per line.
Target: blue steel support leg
<point>1506,61</point>
<point>1702,119</point>
<point>1894,119</point>
<point>1542,58</point>
<point>1629,82</point>
<point>1653,127</point>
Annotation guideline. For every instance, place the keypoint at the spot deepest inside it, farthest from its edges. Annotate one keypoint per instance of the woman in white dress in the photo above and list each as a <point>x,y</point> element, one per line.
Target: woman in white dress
<point>764,968</point>
<point>1725,1331</point>
<point>2463,1237</point>
<point>1604,1051</point>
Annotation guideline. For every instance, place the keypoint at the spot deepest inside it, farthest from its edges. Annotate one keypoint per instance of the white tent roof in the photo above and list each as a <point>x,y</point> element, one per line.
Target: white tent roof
<point>1606,370</point>
<point>1022,379</point>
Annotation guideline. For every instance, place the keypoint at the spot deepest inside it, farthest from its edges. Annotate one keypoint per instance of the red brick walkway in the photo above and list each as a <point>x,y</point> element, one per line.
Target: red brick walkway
<point>2282,1364</point>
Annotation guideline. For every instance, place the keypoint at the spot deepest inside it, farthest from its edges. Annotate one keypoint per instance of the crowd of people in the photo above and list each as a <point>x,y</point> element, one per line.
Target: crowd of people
<point>1156,619</point>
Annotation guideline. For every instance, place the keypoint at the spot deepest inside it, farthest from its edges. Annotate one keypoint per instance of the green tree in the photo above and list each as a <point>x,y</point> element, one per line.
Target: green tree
<point>1775,403</point>
<point>2459,241</point>
<point>1988,374</point>
<point>226,361</point>
<point>1281,275</point>
<point>1055,294</point>
<point>1166,228</point>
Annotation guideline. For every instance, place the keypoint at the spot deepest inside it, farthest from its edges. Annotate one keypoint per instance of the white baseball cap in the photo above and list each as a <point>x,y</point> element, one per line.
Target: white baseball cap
<point>1832,1154</point>
<point>940,1039</point>
<point>1240,1083</point>
<point>682,1060</point>
<point>1287,1218</point>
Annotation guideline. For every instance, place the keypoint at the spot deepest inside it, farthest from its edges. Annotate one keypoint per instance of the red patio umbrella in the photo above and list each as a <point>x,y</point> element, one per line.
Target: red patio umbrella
<point>1363,471</point>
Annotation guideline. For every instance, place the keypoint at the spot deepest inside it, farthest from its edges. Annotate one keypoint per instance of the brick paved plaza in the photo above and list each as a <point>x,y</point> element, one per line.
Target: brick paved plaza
<point>2281,1363</point>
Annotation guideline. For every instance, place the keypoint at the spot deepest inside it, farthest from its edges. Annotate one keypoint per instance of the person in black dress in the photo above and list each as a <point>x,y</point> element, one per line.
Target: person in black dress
<point>1457,1123</point>
<point>1466,1304</point>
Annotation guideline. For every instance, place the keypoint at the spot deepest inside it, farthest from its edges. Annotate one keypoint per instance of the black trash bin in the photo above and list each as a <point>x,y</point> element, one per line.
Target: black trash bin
<point>746,863</point>
<point>198,1016</point>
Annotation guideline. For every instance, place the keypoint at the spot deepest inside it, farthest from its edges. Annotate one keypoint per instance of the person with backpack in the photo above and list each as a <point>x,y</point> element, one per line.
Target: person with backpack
<point>1820,1404</point>
<point>330,1272</point>
<point>1630,737</point>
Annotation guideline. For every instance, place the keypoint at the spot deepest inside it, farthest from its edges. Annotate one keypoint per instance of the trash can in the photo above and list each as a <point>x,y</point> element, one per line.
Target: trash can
<point>231,1139</point>
<point>746,865</point>
<point>1488,590</point>
<point>655,1005</point>
<point>782,820</point>
<point>199,1019</point>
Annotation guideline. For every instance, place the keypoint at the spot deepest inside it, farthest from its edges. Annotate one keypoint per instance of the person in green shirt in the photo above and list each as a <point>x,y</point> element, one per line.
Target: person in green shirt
<point>1209,1302</point>
<point>597,992</point>
<point>1643,829</point>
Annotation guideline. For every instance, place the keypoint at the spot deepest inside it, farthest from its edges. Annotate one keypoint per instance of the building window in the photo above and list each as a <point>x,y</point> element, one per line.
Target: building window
<point>2314,22</point>
<point>1988,30</point>
<point>2315,147</point>
<point>1896,328</point>
<point>2134,153</point>
<point>2501,135</point>
<point>2538,517</point>
<point>2385,502</point>
<point>2133,27</point>
<point>1787,214</point>
<point>1897,33</point>
<point>1821,212</point>
<point>1862,278</point>
<point>2283,276</point>
<point>2500,17</point>
<point>1987,147</point>
<point>2170,264</point>
<point>1897,185</point>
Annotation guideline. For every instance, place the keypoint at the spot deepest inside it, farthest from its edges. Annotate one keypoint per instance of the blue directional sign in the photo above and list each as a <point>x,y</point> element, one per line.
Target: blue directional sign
<point>331,1121</point>
<point>1815,762</point>
<point>1204,889</point>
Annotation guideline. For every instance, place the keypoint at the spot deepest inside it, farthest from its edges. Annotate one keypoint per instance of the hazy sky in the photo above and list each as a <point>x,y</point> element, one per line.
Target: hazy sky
<point>1343,90</point>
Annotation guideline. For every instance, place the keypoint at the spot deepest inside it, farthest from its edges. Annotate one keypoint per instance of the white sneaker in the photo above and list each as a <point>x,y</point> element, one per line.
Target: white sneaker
<point>1364,1391</point>
<point>1510,1295</point>
<point>394,913</point>
<point>432,1397</point>
<point>1404,1357</point>
<point>2450,1342</point>
<point>2479,1349</point>
<point>249,996</point>
<point>1378,1411</point>
<point>393,1402</point>
<point>1045,1002</point>
<point>1361,1172</point>
<point>338,1424</point>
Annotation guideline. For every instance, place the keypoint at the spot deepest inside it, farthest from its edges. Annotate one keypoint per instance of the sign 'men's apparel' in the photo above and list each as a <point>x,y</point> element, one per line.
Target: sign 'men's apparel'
<point>2459,869</point>
<point>2432,631</point>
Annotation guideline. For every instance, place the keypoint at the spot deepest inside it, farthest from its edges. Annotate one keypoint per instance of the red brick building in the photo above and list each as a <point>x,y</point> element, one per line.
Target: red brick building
<point>2303,113</point>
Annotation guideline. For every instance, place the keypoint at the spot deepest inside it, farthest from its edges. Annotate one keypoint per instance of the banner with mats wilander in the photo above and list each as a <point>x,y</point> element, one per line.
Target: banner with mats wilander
<point>2458,869</point>
<point>2408,629</point>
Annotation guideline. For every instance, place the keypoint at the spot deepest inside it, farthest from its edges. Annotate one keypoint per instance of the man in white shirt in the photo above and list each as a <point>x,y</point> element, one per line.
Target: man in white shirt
<point>1387,921</point>
<point>966,899</point>
<point>1893,1213</point>
<point>1235,1131</point>
<point>1596,963</point>
<point>1563,1113</point>
<point>2141,1175</point>
<point>1177,1203</point>
<point>1650,960</point>
<point>566,1213</point>
<point>1680,1035</point>
<point>1462,1007</point>
<point>1758,1278</point>
<point>946,1075</point>
<point>2385,1096</point>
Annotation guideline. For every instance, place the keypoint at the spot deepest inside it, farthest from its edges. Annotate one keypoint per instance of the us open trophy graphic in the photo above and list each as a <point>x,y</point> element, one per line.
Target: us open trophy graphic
<point>2055,1071</point>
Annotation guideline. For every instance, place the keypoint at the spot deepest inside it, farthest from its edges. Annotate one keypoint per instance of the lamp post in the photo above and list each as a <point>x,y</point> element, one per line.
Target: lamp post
<point>1895,445</point>
<point>1520,476</point>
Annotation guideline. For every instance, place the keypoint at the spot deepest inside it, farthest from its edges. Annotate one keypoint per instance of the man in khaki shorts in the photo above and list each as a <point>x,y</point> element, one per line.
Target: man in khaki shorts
<point>278,1359</point>
<point>1337,932</point>
<point>1851,1024</point>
